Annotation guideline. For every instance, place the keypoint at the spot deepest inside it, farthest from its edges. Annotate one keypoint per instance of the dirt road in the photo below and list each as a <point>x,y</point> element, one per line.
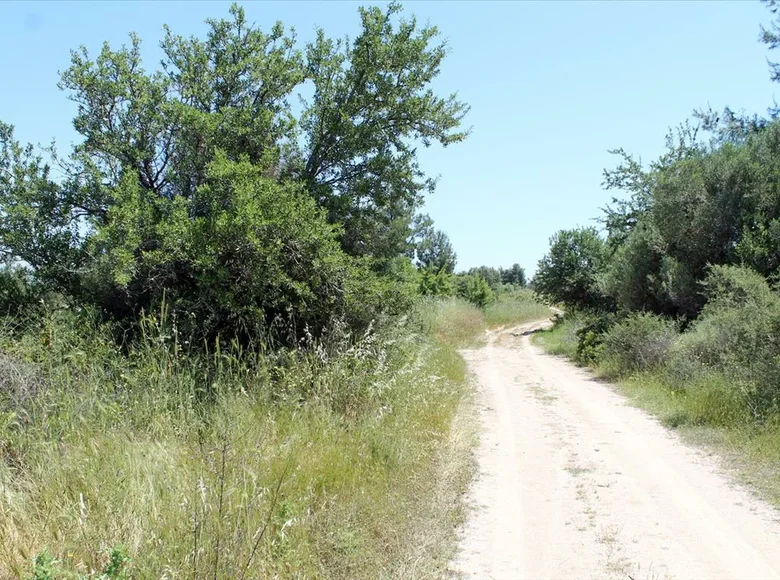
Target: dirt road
<point>574,483</point>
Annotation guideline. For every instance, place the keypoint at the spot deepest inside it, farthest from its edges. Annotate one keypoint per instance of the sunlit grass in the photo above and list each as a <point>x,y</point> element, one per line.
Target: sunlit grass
<point>345,464</point>
<point>516,307</point>
<point>560,339</point>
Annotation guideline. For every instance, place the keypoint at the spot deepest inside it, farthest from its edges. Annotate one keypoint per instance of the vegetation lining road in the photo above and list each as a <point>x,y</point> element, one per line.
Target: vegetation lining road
<point>679,301</point>
<point>221,351</point>
<point>345,458</point>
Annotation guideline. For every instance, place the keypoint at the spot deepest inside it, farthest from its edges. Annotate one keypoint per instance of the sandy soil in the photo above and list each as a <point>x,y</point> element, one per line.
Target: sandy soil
<point>575,483</point>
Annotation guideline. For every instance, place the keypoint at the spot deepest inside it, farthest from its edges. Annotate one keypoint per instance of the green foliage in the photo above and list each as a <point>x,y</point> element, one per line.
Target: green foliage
<point>568,273</point>
<point>372,102</point>
<point>699,204</point>
<point>20,294</point>
<point>36,227</point>
<point>590,338</point>
<point>474,289</point>
<point>435,283</point>
<point>633,275</point>
<point>433,250</point>
<point>736,336</point>
<point>490,275</point>
<point>639,343</point>
<point>44,567</point>
<point>514,276</point>
<point>116,568</point>
<point>254,251</point>
<point>726,361</point>
<point>196,181</point>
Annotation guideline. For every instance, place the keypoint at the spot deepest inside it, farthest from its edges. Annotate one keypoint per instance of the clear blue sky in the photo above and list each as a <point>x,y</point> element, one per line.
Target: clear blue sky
<point>552,86</point>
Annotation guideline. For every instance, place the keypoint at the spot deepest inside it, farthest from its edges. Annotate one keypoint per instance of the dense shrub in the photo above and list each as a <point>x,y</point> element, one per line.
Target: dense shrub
<point>474,289</point>
<point>19,294</point>
<point>242,252</point>
<point>637,343</point>
<point>737,335</point>
<point>590,337</point>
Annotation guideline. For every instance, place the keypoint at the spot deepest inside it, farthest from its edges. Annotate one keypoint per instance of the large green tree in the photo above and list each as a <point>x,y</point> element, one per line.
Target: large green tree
<point>372,105</point>
<point>568,273</point>
<point>185,176</point>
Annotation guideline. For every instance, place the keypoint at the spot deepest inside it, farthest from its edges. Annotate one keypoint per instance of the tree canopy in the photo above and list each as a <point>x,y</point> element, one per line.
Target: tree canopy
<point>198,181</point>
<point>568,273</point>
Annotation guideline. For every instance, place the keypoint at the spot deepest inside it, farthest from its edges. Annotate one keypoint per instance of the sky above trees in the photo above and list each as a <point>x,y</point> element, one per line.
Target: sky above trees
<point>552,87</point>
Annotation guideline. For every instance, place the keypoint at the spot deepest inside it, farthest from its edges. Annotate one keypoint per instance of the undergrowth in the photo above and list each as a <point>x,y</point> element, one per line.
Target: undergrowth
<point>343,458</point>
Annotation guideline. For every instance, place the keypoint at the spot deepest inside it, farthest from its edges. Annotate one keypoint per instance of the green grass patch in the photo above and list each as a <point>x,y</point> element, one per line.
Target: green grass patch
<point>515,307</point>
<point>561,339</point>
<point>338,460</point>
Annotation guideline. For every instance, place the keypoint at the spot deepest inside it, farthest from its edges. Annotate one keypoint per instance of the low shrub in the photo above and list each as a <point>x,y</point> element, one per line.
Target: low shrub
<point>590,337</point>
<point>736,335</point>
<point>637,343</point>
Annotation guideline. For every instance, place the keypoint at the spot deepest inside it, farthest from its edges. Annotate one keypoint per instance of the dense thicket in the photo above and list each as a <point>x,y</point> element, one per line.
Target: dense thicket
<point>198,184</point>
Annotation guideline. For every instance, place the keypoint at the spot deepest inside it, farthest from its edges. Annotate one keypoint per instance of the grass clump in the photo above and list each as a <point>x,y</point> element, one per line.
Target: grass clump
<point>515,307</point>
<point>342,458</point>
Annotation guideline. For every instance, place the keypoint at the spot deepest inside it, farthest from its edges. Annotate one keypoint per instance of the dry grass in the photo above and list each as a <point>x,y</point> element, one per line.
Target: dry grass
<point>515,307</point>
<point>331,463</point>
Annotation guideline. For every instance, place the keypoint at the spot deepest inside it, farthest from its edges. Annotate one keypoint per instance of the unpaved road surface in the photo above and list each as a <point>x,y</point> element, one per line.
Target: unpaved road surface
<point>575,483</point>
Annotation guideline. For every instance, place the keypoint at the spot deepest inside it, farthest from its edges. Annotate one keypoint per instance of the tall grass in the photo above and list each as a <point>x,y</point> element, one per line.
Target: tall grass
<point>459,323</point>
<point>452,321</point>
<point>341,459</point>
<point>514,307</point>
